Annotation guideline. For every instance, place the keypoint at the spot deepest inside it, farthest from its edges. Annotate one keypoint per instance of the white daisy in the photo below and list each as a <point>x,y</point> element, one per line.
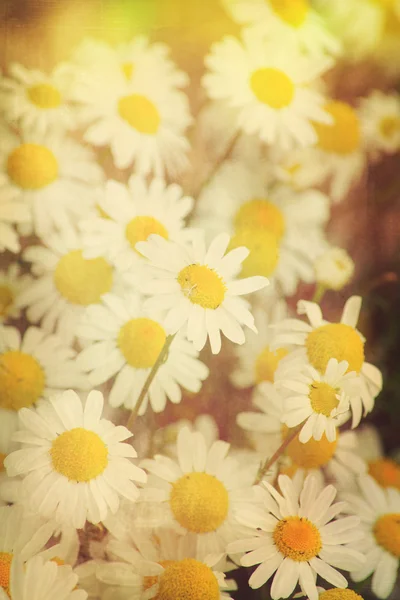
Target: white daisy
<point>37,579</point>
<point>132,213</point>
<point>53,175</point>
<point>37,102</point>
<point>12,284</point>
<point>66,283</point>
<point>385,470</point>
<point>295,21</point>
<point>199,494</point>
<point>380,121</point>
<point>270,85</point>
<point>125,339</point>
<point>334,268</point>
<point>283,229</point>
<point>13,211</point>
<point>379,510</point>
<point>296,537</point>
<point>198,288</point>
<point>32,367</point>
<point>333,594</point>
<point>322,341</point>
<point>74,463</point>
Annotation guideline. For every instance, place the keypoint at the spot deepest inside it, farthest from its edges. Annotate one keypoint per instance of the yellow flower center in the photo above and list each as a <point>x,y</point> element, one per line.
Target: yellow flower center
<point>264,251</point>
<point>2,459</point>
<point>199,502</point>
<point>44,95</point>
<point>389,127</point>
<point>5,566</point>
<point>297,538</point>
<point>335,340</point>
<point>79,454</point>
<point>323,398</point>
<point>272,87</point>
<point>128,69</point>
<point>311,455</point>
<point>386,472</point>
<point>188,579</point>
<point>202,286</point>
<point>139,228</point>
<point>140,341</point>
<point>343,136</point>
<point>32,167</point>
<point>339,594</point>
<point>267,362</point>
<point>293,12</point>
<point>6,300</point>
<point>140,113</point>
<point>82,281</point>
<point>22,380</point>
<point>387,533</point>
<point>260,214</point>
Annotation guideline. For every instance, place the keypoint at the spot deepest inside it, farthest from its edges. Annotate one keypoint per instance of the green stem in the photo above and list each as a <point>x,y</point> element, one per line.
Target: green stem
<point>161,357</point>
<point>270,461</point>
<point>319,292</point>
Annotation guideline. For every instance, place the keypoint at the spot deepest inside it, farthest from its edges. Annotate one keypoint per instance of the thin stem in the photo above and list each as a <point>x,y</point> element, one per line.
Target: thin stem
<point>150,377</point>
<point>270,461</point>
<point>319,292</point>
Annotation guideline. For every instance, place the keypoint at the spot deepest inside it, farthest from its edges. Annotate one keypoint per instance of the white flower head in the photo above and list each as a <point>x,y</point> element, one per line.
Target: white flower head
<point>13,212</point>
<point>380,120</point>
<point>12,284</point>
<point>75,464</point>
<point>199,289</point>
<point>297,539</point>
<point>334,268</point>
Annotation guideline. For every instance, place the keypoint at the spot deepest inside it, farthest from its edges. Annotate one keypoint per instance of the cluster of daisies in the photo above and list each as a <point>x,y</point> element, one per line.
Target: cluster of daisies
<point>115,276</point>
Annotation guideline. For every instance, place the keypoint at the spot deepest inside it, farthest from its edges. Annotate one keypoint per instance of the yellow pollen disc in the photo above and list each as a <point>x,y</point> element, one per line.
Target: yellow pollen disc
<point>389,127</point>
<point>6,300</point>
<point>140,341</point>
<point>140,113</point>
<point>202,286</point>
<point>264,251</point>
<point>32,167</point>
<point>323,398</point>
<point>311,455</point>
<point>22,380</point>
<point>128,69</point>
<point>5,565</point>
<point>387,533</point>
<point>335,340</point>
<point>293,12</point>
<point>79,454</point>
<point>343,136</point>
<point>297,538</point>
<point>272,87</point>
<point>267,362</point>
<point>386,472</point>
<point>339,594</point>
<point>2,459</point>
<point>139,228</point>
<point>199,502</point>
<point>82,281</point>
<point>260,214</point>
<point>188,579</point>
<point>44,95</point>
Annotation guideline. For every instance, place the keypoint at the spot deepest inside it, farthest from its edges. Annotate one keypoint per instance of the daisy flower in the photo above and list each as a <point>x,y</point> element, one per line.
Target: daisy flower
<point>13,211</point>
<point>379,510</point>
<point>37,102</point>
<point>198,494</point>
<point>12,284</point>
<point>54,176</point>
<point>163,565</point>
<point>295,21</point>
<point>270,85</point>
<point>321,341</point>
<point>75,465</point>
<point>66,283</point>
<point>283,229</point>
<point>383,469</point>
<point>125,339</point>
<point>296,538</point>
<point>334,268</point>
<point>32,367</point>
<point>132,213</point>
<point>380,122</point>
<point>37,579</point>
<point>198,288</point>
<point>335,594</point>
